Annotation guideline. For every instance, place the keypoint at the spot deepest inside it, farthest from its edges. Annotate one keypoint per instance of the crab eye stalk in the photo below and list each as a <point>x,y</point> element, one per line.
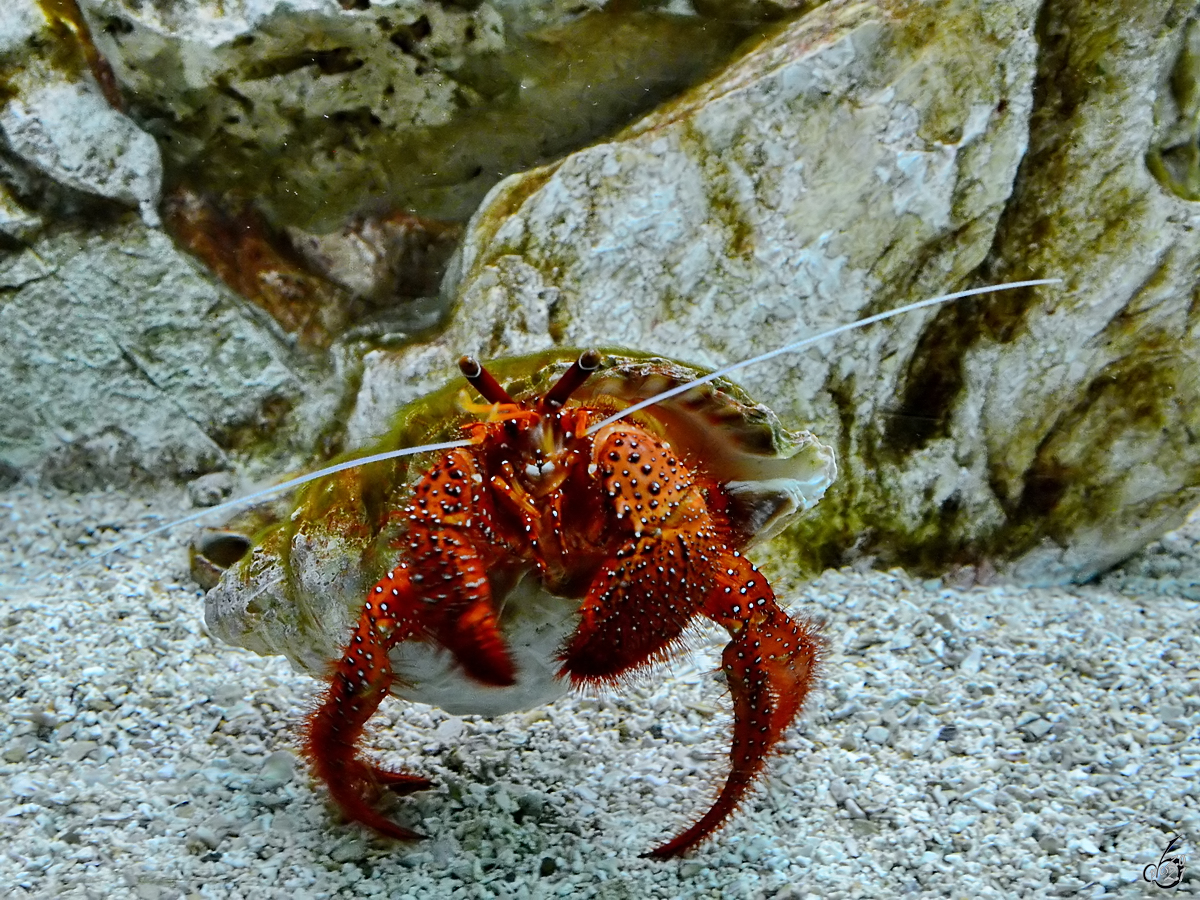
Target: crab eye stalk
<point>483,381</point>
<point>588,362</point>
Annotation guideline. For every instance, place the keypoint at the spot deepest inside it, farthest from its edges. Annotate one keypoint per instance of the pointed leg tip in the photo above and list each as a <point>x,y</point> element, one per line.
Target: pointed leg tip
<point>399,833</point>
<point>663,852</point>
<point>671,849</point>
<point>403,788</point>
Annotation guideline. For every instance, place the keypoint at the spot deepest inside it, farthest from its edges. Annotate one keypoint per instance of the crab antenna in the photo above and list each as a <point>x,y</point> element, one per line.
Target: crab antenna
<point>869,320</point>
<point>268,492</point>
<point>483,381</point>
<point>588,362</point>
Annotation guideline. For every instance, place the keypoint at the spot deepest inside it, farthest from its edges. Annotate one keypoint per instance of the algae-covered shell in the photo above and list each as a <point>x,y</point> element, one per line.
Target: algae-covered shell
<point>300,589</point>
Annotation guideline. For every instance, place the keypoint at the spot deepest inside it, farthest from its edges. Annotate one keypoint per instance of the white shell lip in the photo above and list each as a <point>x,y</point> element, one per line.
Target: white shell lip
<point>535,624</point>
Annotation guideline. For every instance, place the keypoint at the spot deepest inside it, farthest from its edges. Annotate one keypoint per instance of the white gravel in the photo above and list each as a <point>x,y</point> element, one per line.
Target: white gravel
<point>979,742</point>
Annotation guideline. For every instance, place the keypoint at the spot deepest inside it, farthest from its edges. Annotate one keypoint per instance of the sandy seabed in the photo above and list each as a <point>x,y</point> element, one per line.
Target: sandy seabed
<point>989,741</point>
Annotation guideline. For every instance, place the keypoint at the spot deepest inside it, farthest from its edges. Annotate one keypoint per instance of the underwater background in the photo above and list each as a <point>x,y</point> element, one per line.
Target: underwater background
<point>238,238</point>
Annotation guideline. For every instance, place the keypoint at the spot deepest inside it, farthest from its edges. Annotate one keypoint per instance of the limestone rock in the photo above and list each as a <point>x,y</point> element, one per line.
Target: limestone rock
<point>70,134</point>
<point>119,361</point>
<point>322,108</point>
<point>1090,409</point>
<point>853,157</point>
<point>863,156</point>
<point>64,145</point>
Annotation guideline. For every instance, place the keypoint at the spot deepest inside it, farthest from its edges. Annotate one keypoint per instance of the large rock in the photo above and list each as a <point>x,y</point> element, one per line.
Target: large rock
<point>70,134</point>
<point>120,359</point>
<point>321,108</point>
<point>861,157</point>
<point>1088,397</point>
<point>119,362</point>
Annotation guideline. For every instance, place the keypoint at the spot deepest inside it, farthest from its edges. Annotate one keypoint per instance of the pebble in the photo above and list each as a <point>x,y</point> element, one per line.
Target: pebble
<point>1037,729</point>
<point>210,489</point>
<point>876,733</point>
<point>349,850</point>
<point>972,662</point>
<point>277,770</point>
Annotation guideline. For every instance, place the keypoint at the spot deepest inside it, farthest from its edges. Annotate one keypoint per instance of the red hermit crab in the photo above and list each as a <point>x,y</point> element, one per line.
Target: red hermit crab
<point>564,539</point>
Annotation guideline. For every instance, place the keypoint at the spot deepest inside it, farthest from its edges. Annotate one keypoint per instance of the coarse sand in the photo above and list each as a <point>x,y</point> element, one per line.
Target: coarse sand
<point>977,741</point>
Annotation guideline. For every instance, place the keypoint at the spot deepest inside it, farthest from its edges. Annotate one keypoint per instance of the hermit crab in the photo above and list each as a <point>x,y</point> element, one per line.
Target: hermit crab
<point>558,539</point>
<point>562,526</point>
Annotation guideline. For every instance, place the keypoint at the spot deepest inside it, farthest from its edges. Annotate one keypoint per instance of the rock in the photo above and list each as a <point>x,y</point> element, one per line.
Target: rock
<point>876,734</point>
<point>277,770</point>
<point>863,156</point>
<point>350,850</point>
<point>1036,730</point>
<point>71,135</point>
<point>118,361</point>
<point>322,109</point>
<point>839,790</point>
<point>210,489</point>
<point>10,475</point>
<point>379,257</point>
<point>973,662</point>
<point>857,156</point>
<point>1089,397</point>
<point>65,145</point>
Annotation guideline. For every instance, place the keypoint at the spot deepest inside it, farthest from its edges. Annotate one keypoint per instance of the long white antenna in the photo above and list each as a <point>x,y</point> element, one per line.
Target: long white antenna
<point>450,445</point>
<point>270,492</point>
<point>790,348</point>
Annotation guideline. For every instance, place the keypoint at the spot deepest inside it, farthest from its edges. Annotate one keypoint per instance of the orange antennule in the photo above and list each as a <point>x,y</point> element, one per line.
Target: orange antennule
<point>557,396</point>
<point>483,381</point>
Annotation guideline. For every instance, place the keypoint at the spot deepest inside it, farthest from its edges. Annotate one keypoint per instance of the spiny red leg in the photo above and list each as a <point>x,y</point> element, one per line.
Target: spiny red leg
<point>639,603</point>
<point>451,520</point>
<point>635,609</point>
<point>457,605</point>
<point>770,665</point>
<point>439,591</point>
<point>360,681</point>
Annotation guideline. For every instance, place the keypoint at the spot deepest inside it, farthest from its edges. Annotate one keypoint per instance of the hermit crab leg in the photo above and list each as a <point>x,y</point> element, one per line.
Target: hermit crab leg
<point>640,602</point>
<point>439,591</point>
<point>770,665</point>
<point>362,679</point>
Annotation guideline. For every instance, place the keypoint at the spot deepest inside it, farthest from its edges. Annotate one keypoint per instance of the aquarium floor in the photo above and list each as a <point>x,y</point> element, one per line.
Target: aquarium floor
<point>976,742</point>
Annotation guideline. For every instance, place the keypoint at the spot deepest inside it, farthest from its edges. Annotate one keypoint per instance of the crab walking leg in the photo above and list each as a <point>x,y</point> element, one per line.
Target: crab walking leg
<point>362,678</point>
<point>640,602</point>
<point>636,609</point>
<point>770,664</point>
<point>456,605</point>
<point>439,591</point>
<point>449,538</point>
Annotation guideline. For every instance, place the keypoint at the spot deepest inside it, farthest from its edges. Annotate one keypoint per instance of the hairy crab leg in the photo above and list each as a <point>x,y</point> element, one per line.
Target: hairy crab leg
<point>770,665</point>
<point>451,527</point>
<point>363,677</point>
<point>442,566</point>
<point>640,602</point>
<point>676,565</point>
